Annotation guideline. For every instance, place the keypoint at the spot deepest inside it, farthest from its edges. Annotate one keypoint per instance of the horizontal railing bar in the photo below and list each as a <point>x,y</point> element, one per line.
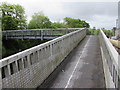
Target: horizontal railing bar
<point>43,29</point>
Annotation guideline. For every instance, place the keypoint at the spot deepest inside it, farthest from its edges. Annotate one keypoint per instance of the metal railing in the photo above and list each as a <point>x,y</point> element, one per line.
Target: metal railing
<point>37,33</point>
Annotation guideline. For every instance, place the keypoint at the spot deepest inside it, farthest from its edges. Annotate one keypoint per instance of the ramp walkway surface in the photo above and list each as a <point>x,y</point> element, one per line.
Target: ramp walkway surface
<point>82,68</point>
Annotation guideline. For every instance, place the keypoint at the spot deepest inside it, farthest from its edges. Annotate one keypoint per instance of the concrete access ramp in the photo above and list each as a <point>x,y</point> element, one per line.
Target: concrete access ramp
<point>82,68</point>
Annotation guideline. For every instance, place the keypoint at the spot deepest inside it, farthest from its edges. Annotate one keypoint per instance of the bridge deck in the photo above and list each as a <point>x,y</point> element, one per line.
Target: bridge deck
<point>82,68</point>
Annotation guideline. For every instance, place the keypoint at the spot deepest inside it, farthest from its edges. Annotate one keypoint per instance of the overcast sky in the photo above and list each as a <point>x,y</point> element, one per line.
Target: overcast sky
<point>98,14</point>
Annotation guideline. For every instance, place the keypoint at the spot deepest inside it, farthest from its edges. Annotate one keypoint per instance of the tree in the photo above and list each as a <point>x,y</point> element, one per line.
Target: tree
<point>58,25</point>
<point>13,17</point>
<point>39,21</point>
<point>20,16</point>
<point>75,23</point>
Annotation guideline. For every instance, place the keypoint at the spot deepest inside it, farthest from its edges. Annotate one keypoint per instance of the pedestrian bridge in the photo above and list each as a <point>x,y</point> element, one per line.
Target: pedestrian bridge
<point>37,33</point>
<point>74,60</point>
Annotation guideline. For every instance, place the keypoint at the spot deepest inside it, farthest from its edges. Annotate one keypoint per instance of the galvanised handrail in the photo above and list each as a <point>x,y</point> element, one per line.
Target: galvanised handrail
<point>37,33</point>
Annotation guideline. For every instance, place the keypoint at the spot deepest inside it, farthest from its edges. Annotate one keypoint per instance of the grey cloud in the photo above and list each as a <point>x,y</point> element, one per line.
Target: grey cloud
<point>99,14</point>
<point>89,10</point>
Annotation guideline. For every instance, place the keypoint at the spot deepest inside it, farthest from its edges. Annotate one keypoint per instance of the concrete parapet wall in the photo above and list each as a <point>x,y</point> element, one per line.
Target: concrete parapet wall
<point>110,62</point>
<point>29,68</point>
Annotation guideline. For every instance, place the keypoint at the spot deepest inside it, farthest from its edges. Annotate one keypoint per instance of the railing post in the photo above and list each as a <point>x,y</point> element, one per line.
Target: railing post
<point>6,34</point>
<point>22,35</point>
<point>41,35</point>
<point>66,31</point>
<point>9,71</point>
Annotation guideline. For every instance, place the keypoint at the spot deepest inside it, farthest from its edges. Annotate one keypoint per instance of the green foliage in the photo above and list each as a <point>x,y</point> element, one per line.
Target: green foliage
<point>3,50</point>
<point>93,31</point>
<point>39,21</point>
<point>13,17</point>
<point>13,46</point>
<point>58,25</point>
<point>75,23</point>
<point>108,33</point>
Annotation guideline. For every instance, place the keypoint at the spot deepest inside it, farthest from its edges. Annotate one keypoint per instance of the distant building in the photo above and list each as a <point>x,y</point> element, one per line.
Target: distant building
<point>117,32</point>
<point>118,15</point>
<point>117,23</point>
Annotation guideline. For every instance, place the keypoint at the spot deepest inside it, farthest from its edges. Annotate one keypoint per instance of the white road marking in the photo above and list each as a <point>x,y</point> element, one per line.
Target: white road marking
<point>76,65</point>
